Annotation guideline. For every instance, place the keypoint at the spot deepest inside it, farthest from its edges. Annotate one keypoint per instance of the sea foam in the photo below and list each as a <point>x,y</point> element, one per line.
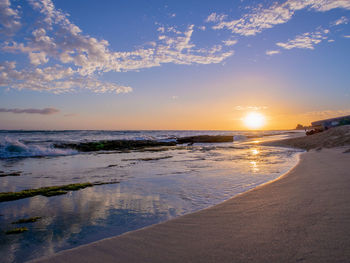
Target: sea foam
<point>10,148</point>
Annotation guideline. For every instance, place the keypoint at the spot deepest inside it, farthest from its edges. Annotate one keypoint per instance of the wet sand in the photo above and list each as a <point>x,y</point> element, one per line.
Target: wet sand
<point>302,217</point>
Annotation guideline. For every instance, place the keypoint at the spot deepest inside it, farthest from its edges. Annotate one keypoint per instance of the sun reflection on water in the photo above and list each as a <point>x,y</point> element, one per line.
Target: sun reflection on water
<point>256,142</point>
<point>254,166</point>
<point>255,151</point>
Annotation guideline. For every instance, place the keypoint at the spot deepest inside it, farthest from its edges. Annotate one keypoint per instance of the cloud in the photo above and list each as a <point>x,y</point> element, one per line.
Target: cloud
<point>340,21</point>
<point>214,17</point>
<point>230,42</point>
<point>250,108</point>
<point>347,36</point>
<point>55,79</point>
<point>278,13</point>
<point>272,52</point>
<point>45,111</point>
<point>9,18</point>
<point>306,40</point>
<point>79,58</point>
<point>325,114</point>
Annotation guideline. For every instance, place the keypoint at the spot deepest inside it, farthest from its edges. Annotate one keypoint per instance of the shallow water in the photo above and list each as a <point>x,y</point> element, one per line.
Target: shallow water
<point>153,186</point>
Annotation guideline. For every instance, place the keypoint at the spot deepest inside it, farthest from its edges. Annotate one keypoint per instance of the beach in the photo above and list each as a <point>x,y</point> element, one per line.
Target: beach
<point>79,193</point>
<point>301,217</point>
<point>185,131</point>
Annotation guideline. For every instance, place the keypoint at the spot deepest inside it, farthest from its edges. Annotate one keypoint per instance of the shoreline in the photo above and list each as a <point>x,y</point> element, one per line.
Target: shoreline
<point>150,242</point>
<point>156,251</point>
<point>284,173</point>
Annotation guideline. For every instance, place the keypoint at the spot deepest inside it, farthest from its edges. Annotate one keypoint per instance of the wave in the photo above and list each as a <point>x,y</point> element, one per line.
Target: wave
<point>11,148</point>
<point>240,138</point>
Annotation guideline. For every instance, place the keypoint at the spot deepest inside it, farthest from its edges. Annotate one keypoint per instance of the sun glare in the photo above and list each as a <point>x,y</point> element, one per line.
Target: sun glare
<point>254,120</point>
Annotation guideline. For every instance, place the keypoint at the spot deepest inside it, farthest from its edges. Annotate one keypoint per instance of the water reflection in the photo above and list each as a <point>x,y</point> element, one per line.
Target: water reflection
<point>77,218</point>
<point>255,151</point>
<point>194,178</point>
<point>254,166</point>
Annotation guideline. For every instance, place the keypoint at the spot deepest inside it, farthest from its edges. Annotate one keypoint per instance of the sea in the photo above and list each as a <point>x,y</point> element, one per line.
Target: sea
<point>147,186</point>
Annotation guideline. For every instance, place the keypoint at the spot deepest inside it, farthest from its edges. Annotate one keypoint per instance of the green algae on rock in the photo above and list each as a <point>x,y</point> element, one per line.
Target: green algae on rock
<point>16,230</point>
<point>149,158</point>
<point>47,191</point>
<point>27,220</point>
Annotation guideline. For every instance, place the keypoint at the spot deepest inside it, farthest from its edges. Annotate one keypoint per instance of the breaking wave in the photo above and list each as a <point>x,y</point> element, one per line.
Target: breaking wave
<point>10,148</point>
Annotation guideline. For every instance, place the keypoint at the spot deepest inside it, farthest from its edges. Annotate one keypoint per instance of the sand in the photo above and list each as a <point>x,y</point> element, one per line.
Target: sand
<point>302,217</point>
<point>335,137</point>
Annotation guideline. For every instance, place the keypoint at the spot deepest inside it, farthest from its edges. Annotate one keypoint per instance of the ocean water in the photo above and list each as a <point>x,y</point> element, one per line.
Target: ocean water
<point>153,186</point>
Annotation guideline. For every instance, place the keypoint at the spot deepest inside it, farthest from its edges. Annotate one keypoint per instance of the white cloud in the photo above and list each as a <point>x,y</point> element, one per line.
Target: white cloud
<point>55,79</point>
<point>306,40</point>
<point>250,108</point>
<point>161,29</point>
<point>264,18</point>
<point>326,5</point>
<point>9,19</point>
<point>38,58</point>
<point>214,17</point>
<point>272,52</point>
<point>230,42</point>
<point>347,36</point>
<point>340,21</point>
<point>59,41</point>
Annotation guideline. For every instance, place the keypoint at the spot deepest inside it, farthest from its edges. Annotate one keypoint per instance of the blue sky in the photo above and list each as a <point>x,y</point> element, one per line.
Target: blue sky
<point>172,64</point>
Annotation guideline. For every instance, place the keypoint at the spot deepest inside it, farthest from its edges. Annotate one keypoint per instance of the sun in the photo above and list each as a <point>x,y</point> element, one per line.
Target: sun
<point>254,120</point>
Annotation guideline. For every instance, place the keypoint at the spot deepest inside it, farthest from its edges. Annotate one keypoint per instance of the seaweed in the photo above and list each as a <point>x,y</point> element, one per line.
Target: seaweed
<point>148,159</point>
<point>53,193</point>
<point>112,165</point>
<point>16,230</point>
<point>3,174</point>
<point>47,191</point>
<point>27,220</point>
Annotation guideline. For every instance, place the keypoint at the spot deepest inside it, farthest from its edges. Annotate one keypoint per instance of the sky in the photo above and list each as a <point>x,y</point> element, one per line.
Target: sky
<point>202,65</point>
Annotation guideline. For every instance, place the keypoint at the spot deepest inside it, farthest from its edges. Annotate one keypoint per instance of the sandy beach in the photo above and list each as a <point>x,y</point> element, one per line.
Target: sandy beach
<point>301,217</point>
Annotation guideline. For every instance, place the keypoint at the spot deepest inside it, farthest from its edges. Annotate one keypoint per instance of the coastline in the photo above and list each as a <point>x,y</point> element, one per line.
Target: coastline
<point>255,226</point>
<point>195,177</point>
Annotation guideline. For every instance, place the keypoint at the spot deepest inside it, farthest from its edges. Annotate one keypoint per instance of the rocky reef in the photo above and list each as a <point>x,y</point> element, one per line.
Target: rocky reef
<point>47,191</point>
<point>113,145</point>
<point>122,145</point>
<point>205,139</point>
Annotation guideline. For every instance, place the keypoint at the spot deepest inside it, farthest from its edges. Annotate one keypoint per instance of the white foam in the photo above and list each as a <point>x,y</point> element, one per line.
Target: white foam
<point>10,147</point>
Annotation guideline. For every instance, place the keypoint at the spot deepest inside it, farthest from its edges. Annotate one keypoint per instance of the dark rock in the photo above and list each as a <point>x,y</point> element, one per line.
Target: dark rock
<point>205,139</point>
<point>113,145</point>
<point>2,174</point>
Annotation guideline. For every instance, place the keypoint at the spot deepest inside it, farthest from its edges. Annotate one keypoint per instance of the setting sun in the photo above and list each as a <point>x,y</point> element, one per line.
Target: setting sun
<point>254,120</point>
